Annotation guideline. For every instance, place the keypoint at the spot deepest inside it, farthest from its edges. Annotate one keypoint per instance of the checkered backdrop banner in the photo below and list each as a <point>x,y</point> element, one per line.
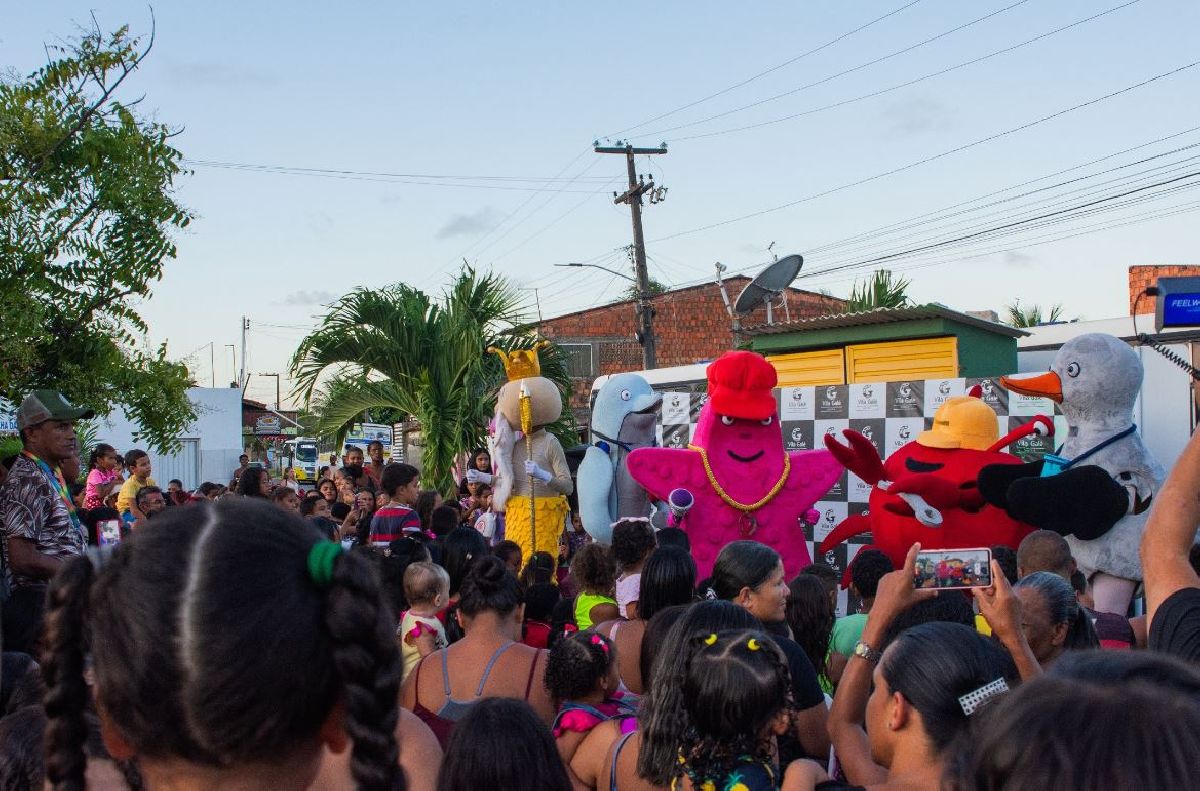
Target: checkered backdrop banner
<point>889,414</point>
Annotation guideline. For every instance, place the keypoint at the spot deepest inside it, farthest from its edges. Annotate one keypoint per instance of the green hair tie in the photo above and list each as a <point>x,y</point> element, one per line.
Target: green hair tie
<point>320,562</point>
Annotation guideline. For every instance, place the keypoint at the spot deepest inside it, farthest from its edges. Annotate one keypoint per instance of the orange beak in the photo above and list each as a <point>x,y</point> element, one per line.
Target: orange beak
<point>1047,385</point>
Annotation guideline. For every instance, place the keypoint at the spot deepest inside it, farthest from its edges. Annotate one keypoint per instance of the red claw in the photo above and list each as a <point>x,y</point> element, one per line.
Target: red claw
<point>860,457</point>
<point>942,494</point>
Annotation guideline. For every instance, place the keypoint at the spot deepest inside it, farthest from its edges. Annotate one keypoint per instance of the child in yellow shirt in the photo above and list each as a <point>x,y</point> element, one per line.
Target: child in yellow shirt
<point>137,462</point>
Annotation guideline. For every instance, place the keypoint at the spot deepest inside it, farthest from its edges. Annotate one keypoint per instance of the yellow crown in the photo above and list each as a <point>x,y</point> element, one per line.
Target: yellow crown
<point>521,363</point>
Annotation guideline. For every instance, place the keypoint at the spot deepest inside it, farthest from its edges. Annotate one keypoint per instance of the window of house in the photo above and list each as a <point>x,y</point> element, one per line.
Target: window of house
<point>579,359</point>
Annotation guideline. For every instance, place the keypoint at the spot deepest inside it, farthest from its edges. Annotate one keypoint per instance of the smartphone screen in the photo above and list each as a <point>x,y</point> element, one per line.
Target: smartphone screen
<point>110,532</point>
<point>954,568</point>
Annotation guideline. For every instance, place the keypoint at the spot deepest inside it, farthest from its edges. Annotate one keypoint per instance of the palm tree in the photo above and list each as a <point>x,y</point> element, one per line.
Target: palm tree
<point>397,348</point>
<point>1031,316</point>
<point>881,290</point>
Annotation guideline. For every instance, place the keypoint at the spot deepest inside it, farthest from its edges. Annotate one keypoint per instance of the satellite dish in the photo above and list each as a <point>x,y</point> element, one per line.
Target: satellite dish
<point>769,284</point>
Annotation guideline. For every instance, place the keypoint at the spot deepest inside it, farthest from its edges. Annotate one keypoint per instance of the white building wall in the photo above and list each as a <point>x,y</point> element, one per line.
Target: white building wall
<point>211,445</point>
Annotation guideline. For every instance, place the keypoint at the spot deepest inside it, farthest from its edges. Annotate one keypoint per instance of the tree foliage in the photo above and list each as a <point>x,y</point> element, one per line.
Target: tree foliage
<point>87,219</point>
<point>1031,315</point>
<point>655,287</point>
<point>881,290</point>
<point>400,349</point>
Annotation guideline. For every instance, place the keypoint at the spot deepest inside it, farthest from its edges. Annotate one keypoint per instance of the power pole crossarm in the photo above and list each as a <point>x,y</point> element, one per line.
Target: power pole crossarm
<point>633,196</point>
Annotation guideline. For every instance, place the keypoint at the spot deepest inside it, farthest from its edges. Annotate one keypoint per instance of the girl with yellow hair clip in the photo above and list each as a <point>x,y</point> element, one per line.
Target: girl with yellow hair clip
<point>737,700</point>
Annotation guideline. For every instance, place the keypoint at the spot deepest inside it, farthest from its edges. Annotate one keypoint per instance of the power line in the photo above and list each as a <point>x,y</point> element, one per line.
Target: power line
<point>934,157</point>
<point>513,213</point>
<point>765,72</point>
<point>866,241</point>
<point>1001,227</point>
<point>1045,239</point>
<point>351,176</point>
<point>920,219</point>
<point>843,73</point>
<point>882,91</point>
<point>380,174</point>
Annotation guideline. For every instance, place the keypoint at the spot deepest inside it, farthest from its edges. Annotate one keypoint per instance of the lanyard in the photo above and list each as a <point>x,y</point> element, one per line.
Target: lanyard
<point>1114,438</point>
<point>59,486</point>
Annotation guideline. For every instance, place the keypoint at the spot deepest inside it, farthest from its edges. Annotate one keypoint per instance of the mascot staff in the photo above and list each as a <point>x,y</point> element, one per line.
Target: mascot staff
<point>536,509</point>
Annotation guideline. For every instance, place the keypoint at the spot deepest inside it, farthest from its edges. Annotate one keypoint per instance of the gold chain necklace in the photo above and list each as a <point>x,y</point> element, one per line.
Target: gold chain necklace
<point>744,507</point>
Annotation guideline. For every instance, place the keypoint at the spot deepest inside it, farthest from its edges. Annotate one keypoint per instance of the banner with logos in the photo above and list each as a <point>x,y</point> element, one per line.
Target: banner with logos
<point>889,414</point>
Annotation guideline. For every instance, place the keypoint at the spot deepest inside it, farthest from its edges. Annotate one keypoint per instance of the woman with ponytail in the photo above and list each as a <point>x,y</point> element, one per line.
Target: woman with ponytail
<point>230,646</point>
<point>1051,617</point>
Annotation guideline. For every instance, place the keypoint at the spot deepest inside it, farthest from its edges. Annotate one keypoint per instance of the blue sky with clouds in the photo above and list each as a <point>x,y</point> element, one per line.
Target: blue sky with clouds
<point>521,91</point>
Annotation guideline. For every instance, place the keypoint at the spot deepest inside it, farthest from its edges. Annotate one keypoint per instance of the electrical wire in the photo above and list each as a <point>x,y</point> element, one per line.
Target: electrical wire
<point>376,174</point>
<point>765,72</point>
<point>873,94</point>
<point>1035,241</point>
<point>961,224</point>
<point>934,157</point>
<point>387,180</point>
<point>948,211</point>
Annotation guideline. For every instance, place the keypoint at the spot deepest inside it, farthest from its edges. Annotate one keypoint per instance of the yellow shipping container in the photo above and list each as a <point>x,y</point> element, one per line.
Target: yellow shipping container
<point>823,367</point>
<point>931,358</point>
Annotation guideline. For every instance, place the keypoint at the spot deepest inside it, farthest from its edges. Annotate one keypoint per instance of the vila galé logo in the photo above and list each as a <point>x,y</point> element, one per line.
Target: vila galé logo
<point>676,401</point>
<point>797,434</point>
<point>944,388</point>
<point>830,516</point>
<point>904,395</point>
<point>867,432</point>
<point>831,398</point>
<point>904,433</point>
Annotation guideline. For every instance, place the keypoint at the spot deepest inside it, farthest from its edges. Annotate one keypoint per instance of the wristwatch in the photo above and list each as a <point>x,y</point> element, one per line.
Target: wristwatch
<point>866,652</point>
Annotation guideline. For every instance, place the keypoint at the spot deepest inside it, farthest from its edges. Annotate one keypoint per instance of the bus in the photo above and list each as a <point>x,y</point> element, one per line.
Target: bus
<point>302,453</point>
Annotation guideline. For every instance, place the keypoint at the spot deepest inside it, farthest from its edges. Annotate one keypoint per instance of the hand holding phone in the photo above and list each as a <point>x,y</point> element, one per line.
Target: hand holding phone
<point>953,569</point>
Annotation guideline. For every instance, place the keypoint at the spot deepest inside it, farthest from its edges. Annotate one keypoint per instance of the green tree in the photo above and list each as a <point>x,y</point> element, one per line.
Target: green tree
<point>656,287</point>
<point>398,348</point>
<point>881,290</point>
<point>1031,315</point>
<point>87,218</point>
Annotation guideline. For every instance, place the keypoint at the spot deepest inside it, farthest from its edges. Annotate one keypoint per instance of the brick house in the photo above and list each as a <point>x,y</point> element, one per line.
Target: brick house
<point>690,324</point>
<point>1141,277</point>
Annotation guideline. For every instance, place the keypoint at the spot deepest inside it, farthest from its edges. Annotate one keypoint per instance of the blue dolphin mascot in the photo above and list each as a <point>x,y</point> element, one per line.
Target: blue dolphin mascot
<point>623,418</point>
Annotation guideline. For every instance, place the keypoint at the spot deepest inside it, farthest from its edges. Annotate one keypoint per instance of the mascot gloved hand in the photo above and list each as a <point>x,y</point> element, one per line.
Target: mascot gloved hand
<point>623,419</point>
<point>535,502</point>
<point>744,484</point>
<point>1096,489</point>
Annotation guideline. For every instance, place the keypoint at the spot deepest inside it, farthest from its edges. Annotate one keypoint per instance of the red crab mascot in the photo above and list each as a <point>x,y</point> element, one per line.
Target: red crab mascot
<point>737,477</point>
<point>928,491</point>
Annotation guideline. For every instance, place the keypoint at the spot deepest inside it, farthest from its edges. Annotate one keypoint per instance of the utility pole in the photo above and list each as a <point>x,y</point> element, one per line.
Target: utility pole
<point>278,403</point>
<point>242,373</point>
<point>633,196</point>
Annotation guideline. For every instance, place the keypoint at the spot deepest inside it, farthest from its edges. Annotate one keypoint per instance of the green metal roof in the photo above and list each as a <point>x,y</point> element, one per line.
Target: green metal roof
<point>881,316</point>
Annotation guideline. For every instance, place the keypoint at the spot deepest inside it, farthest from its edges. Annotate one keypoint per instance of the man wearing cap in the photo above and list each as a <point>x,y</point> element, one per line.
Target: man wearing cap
<point>38,522</point>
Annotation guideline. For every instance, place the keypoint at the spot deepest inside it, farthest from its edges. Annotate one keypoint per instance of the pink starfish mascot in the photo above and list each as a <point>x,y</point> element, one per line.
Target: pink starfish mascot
<point>742,482</point>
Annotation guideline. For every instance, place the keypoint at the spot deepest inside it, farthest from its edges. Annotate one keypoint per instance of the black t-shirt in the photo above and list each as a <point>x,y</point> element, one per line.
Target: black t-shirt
<point>806,690</point>
<point>1176,626</point>
<point>806,693</point>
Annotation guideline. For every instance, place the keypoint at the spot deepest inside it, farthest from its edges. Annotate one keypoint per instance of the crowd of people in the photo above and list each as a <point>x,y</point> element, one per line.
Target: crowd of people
<point>369,634</point>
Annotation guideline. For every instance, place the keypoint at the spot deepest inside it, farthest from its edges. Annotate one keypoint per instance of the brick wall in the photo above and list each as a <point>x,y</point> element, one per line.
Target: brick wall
<point>1140,277</point>
<point>690,324</point>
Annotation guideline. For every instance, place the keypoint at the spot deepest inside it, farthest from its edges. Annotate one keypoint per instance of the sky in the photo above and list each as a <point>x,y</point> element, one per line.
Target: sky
<point>507,99</point>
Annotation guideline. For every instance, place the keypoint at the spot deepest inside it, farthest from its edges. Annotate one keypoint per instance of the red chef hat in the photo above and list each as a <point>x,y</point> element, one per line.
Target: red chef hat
<point>739,385</point>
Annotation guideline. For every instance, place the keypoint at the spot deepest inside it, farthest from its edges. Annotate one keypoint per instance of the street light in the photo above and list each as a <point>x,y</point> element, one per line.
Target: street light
<point>606,269</point>
<point>644,312</point>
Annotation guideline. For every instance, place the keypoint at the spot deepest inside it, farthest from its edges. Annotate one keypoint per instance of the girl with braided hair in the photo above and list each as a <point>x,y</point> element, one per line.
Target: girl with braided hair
<point>737,700</point>
<point>231,646</point>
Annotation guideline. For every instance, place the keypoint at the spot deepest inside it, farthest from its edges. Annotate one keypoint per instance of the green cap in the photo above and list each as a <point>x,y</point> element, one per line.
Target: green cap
<point>42,405</point>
